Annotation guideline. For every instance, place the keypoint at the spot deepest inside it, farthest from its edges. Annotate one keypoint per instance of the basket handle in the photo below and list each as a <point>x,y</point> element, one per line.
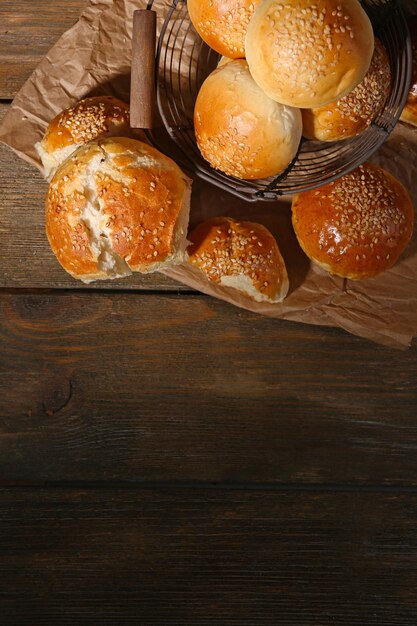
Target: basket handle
<point>142,86</point>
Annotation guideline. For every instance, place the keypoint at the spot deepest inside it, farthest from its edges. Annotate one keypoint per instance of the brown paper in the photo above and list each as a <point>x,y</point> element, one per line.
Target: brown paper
<point>93,57</point>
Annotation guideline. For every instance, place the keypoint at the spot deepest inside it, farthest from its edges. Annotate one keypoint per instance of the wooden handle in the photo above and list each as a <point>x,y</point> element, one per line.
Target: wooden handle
<point>142,87</point>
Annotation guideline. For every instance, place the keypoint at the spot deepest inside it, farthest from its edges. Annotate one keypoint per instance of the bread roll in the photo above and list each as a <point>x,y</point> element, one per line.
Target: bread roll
<point>222,24</point>
<point>356,227</point>
<point>239,130</point>
<point>409,113</point>
<point>240,255</point>
<point>117,206</point>
<point>307,54</point>
<point>89,119</point>
<point>223,61</point>
<point>352,114</point>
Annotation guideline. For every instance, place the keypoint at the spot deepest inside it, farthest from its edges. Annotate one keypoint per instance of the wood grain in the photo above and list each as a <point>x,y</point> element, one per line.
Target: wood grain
<point>26,259</point>
<point>207,557</point>
<point>99,386</point>
<point>27,30</point>
<point>142,91</point>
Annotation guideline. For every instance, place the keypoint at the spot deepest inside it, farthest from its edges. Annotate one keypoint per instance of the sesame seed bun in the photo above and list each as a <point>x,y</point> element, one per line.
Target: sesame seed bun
<point>352,114</point>
<point>357,226</point>
<point>409,113</point>
<point>117,206</point>
<point>307,55</point>
<point>240,255</point>
<point>222,24</point>
<point>89,119</point>
<point>239,129</point>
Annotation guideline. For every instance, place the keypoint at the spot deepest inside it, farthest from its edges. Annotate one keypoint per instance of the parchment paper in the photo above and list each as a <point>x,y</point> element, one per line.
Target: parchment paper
<point>93,57</point>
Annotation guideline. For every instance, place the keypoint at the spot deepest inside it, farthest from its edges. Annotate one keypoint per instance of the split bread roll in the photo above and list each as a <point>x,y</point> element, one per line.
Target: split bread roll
<point>89,119</point>
<point>357,226</point>
<point>352,114</point>
<point>239,129</point>
<point>222,24</point>
<point>240,255</point>
<point>307,54</point>
<point>409,113</point>
<point>117,206</point>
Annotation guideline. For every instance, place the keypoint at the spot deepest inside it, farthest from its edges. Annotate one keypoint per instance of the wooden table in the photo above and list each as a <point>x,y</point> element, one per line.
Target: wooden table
<point>166,458</point>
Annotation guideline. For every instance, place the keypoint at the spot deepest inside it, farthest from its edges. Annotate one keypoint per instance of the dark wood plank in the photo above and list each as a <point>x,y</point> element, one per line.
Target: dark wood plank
<point>27,31</point>
<point>26,259</point>
<point>99,386</point>
<point>207,557</point>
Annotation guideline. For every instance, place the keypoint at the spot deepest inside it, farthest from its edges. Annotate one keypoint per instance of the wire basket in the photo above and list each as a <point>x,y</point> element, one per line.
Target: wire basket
<point>183,61</point>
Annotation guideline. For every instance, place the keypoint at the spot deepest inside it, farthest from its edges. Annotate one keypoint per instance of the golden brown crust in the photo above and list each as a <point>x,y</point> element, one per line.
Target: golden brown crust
<point>68,235</point>
<point>307,54</point>
<point>239,130</point>
<point>223,247</point>
<point>115,205</point>
<point>87,120</point>
<point>357,226</point>
<point>222,24</point>
<point>352,114</point>
<point>409,113</point>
